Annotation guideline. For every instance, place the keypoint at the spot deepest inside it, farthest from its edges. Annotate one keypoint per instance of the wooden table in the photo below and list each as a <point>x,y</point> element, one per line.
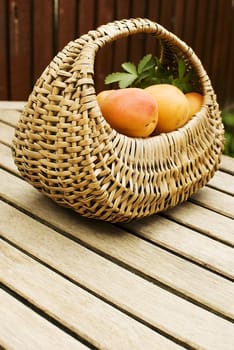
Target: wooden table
<point>164,282</point>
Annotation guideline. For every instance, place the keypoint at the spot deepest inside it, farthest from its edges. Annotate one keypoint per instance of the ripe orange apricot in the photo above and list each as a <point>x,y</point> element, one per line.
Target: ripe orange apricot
<point>173,107</point>
<point>130,111</point>
<point>195,101</point>
<point>102,95</point>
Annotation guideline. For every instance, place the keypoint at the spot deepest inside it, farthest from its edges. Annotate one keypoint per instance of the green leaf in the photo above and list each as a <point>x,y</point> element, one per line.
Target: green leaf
<point>145,64</point>
<point>126,80</point>
<point>181,69</point>
<point>150,70</point>
<point>145,75</point>
<point>188,76</point>
<point>129,67</point>
<point>113,77</point>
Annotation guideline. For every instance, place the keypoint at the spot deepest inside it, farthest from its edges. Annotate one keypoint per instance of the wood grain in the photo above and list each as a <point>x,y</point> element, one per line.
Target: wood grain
<point>227,165</point>
<point>12,105</point>
<point>215,200</point>
<point>6,134</point>
<point>44,43</point>
<point>87,316</point>
<point>223,182</point>
<point>186,242</point>
<point>128,250</point>
<point>95,273</point>
<point>67,18</point>
<point>7,161</point>
<point>4,53</point>
<point>9,117</point>
<point>20,44</point>
<point>203,220</point>
<point>21,328</point>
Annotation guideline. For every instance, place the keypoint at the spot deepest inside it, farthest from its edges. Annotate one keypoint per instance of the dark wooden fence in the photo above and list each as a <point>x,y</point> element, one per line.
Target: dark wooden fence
<point>32,32</point>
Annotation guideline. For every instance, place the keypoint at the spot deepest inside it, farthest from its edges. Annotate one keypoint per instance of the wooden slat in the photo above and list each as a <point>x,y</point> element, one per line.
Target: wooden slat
<point>186,242</point>
<point>43,36</point>
<point>209,36</point>
<point>89,317</point>
<point>136,43</point>
<point>94,272</point>
<point>226,37</point>
<point>148,259</point>
<point>227,164</point>
<point>215,200</point>
<point>217,67</point>
<point>4,83</point>
<point>67,19</point>
<point>10,117</point>
<point>199,16</point>
<point>6,159</point>
<point>167,13</point>
<point>120,46</point>
<point>86,15</point>
<point>223,182</point>
<point>13,105</point>
<point>20,44</point>
<point>104,12</point>
<point>201,219</point>
<point>104,59</point>
<point>179,18</point>
<point>6,134</point>
<point>229,98</point>
<point>152,12</point>
<point>21,328</point>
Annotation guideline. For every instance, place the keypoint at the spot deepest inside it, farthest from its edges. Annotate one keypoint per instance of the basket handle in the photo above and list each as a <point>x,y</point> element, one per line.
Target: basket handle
<point>171,45</point>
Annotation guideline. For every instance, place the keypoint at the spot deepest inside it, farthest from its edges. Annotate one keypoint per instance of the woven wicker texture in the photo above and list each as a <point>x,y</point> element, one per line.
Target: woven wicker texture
<point>64,147</point>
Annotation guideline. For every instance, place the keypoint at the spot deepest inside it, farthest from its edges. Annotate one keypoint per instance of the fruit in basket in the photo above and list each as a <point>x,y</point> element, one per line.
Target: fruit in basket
<point>173,107</point>
<point>195,101</point>
<point>130,111</point>
<point>171,88</point>
<point>102,95</point>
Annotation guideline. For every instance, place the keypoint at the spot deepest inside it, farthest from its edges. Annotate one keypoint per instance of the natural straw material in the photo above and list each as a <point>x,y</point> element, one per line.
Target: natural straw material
<point>64,147</point>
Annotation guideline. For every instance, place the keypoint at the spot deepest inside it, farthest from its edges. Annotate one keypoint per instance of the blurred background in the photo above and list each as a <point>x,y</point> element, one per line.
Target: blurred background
<point>33,31</point>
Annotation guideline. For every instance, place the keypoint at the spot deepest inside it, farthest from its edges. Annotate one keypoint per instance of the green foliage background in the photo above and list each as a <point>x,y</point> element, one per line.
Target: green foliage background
<point>228,121</point>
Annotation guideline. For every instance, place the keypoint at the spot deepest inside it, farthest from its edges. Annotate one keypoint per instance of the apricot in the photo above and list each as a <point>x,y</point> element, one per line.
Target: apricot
<point>130,111</point>
<point>173,107</point>
<point>102,95</point>
<point>195,101</point>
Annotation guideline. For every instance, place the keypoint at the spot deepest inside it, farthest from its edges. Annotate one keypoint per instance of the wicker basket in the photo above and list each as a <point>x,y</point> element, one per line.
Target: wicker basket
<point>64,147</point>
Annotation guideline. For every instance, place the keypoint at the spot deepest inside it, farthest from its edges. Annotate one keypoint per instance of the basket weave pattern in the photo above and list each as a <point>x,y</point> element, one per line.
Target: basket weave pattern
<point>64,147</point>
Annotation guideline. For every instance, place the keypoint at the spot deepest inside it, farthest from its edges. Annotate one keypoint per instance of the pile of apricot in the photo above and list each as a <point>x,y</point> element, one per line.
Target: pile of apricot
<point>159,108</point>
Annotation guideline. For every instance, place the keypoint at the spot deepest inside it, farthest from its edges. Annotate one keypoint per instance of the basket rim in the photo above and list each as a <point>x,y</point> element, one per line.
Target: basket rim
<point>112,31</point>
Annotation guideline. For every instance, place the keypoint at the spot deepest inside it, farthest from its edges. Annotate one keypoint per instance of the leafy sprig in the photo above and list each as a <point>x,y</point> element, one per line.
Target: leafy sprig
<point>151,71</point>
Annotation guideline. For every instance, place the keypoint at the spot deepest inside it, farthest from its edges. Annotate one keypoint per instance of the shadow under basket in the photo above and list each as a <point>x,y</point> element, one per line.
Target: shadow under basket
<point>64,147</point>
